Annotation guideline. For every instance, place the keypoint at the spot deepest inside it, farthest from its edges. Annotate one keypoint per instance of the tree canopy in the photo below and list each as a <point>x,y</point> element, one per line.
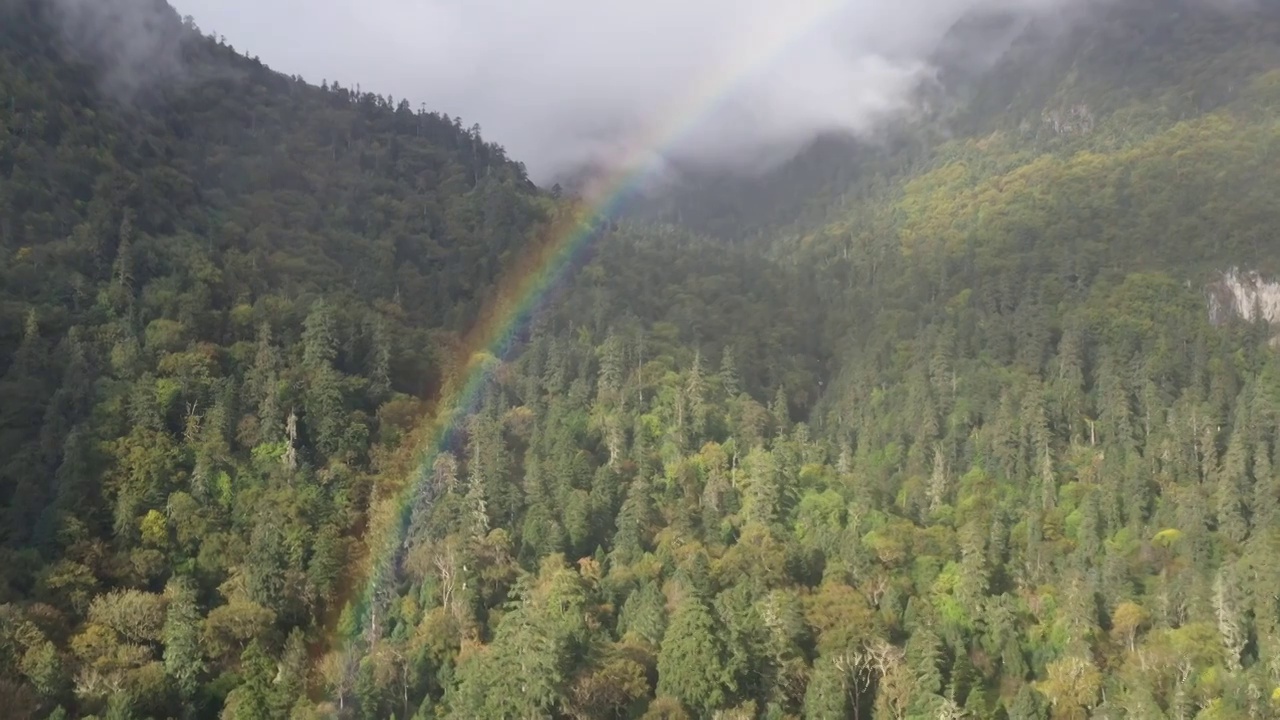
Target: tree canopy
<point>951,433</point>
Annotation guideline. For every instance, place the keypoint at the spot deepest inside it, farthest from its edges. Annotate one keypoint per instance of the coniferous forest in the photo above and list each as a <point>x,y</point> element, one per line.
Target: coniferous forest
<point>979,420</point>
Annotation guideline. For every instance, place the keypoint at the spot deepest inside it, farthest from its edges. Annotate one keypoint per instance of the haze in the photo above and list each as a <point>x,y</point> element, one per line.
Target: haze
<point>560,83</point>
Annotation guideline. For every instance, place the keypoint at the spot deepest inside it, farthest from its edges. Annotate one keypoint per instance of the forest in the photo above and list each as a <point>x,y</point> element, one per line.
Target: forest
<point>944,427</point>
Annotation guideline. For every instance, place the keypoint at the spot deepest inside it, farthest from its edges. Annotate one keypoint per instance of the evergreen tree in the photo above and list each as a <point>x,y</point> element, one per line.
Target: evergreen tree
<point>691,663</point>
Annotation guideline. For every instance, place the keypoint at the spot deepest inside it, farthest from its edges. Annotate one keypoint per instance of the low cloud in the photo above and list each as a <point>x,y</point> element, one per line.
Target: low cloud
<point>562,83</point>
<point>135,44</point>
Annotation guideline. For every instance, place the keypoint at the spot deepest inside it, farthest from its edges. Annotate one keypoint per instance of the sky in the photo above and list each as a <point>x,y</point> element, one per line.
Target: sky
<point>560,83</point>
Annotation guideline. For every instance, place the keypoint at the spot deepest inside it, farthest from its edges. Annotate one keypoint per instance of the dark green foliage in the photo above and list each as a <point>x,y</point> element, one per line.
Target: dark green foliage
<point>221,298</point>
<point>691,664</point>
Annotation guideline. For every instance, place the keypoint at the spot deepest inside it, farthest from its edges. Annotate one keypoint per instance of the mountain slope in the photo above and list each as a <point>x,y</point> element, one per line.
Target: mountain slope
<point>1078,80</point>
<point>224,296</point>
<point>955,435</point>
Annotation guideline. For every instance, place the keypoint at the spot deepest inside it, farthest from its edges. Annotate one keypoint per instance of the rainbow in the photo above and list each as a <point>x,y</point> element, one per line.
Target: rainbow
<point>526,286</point>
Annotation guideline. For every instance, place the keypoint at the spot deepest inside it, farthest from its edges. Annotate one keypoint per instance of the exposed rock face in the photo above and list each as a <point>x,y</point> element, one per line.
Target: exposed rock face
<point>1243,294</point>
<point>1073,120</point>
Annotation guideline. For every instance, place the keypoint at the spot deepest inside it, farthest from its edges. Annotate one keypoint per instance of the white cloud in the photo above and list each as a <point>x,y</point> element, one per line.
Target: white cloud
<point>561,81</point>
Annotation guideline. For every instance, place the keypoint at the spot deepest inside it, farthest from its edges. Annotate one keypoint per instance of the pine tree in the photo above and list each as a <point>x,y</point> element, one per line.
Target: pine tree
<point>378,359</point>
<point>633,523</point>
<point>694,394</point>
<point>183,659</point>
<point>252,699</point>
<point>691,663</point>
<point>728,375</point>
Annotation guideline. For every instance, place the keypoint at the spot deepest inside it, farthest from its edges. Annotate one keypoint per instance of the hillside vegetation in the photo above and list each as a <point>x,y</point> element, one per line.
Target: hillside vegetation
<point>944,430</point>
